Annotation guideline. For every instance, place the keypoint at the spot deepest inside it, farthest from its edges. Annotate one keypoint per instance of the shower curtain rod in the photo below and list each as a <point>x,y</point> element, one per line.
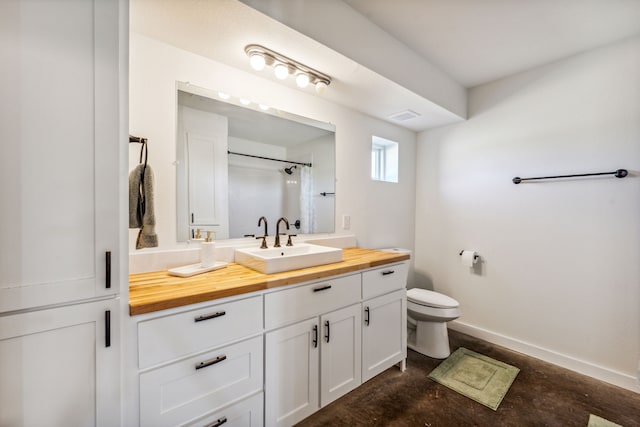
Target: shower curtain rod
<point>620,173</point>
<point>269,158</point>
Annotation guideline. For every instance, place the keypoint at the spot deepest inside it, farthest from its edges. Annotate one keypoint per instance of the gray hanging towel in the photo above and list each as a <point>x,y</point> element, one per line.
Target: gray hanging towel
<point>141,211</point>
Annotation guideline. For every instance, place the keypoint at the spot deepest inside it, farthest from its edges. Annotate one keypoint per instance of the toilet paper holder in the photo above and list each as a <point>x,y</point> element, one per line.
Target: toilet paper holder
<point>475,256</point>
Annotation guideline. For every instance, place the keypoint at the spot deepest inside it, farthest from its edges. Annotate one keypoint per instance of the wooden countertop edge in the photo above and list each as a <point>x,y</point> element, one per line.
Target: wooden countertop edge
<point>259,282</point>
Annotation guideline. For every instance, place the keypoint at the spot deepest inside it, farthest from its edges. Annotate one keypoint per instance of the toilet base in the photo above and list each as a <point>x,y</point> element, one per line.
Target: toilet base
<point>430,339</point>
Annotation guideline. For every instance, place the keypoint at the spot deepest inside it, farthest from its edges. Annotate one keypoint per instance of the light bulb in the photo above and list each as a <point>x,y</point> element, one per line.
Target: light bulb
<point>321,87</point>
<point>281,71</point>
<point>263,107</point>
<point>257,61</point>
<point>302,80</point>
<point>244,101</point>
<point>224,95</point>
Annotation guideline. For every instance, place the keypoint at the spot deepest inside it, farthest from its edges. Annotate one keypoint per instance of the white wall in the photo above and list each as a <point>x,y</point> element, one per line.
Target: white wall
<point>561,273</point>
<point>381,214</point>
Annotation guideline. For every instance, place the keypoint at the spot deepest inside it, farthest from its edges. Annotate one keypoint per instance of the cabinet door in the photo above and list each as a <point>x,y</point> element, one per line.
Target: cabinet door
<point>291,373</point>
<point>58,367</point>
<point>384,334</point>
<point>60,136</point>
<point>341,360</point>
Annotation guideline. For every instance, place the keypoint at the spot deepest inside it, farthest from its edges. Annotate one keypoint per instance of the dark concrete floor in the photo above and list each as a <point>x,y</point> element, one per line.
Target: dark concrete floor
<point>541,395</point>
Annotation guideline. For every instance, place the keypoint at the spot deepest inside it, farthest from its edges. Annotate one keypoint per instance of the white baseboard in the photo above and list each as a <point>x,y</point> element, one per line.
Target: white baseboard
<point>586,368</point>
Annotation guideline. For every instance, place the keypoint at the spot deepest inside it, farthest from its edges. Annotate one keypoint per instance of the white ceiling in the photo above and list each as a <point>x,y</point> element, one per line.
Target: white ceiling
<point>477,42</point>
<point>405,54</point>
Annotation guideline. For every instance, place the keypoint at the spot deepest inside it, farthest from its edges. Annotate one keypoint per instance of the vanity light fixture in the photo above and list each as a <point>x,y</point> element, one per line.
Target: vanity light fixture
<point>257,62</point>
<point>260,56</point>
<point>281,71</point>
<point>302,80</point>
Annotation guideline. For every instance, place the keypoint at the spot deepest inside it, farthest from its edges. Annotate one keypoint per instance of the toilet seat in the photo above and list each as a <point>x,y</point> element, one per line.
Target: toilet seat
<point>431,298</point>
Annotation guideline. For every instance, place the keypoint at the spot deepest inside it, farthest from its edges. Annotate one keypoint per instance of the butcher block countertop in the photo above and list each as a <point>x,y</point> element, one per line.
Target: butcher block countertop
<point>155,291</point>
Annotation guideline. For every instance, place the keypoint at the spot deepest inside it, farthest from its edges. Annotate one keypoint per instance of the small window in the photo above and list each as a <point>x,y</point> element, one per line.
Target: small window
<point>384,160</point>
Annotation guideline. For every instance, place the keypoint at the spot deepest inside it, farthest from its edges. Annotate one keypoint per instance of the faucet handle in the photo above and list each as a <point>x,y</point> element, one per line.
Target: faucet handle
<point>289,243</point>
<point>264,242</point>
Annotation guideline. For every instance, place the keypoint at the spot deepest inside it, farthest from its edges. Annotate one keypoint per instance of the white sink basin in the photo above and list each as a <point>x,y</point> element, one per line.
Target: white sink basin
<point>285,258</point>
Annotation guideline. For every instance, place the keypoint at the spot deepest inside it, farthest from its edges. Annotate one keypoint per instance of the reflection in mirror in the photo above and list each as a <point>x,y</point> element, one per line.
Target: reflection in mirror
<point>384,159</point>
<point>236,164</point>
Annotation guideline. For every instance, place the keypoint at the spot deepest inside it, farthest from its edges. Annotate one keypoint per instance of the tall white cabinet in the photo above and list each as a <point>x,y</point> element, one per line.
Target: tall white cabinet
<point>60,133</point>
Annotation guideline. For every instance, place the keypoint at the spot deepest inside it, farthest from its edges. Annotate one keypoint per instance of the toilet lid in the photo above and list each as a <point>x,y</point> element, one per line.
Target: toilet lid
<point>431,298</point>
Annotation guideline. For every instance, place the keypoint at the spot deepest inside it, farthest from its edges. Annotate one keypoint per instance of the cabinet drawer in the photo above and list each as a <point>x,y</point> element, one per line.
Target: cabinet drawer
<point>181,334</point>
<point>384,280</point>
<point>182,391</point>
<point>246,413</point>
<point>300,303</point>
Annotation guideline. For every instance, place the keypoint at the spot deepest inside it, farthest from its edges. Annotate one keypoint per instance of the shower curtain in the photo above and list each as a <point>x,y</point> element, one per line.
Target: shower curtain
<point>307,217</point>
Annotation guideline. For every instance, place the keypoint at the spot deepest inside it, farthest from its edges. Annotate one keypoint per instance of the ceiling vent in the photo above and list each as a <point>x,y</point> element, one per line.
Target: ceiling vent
<point>404,115</point>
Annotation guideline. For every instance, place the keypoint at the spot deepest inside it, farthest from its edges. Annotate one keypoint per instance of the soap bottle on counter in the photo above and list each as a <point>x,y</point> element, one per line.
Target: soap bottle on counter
<point>208,251</point>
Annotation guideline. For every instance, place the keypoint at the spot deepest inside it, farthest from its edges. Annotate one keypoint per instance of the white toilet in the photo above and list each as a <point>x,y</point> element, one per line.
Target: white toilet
<point>430,311</point>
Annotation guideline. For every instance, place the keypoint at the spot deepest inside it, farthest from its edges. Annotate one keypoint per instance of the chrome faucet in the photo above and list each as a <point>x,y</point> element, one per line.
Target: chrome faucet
<point>277,245</point>
<point>266,233</point>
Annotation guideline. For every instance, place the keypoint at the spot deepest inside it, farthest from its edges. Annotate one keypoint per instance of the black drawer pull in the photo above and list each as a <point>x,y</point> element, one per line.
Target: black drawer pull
<point>107,328</point>
<point>211,362</point>
<point>367,316</point>
<point>323,288</point>
<point>107,276</point>
<point>328,330</point>
<point>387,272</point>
<point>209,316</point>
<point>315,336</point>
<point>218,422</point>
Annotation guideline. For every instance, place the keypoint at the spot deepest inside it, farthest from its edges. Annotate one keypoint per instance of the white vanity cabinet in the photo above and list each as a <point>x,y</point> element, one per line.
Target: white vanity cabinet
<point>384,333</point>
<point>202,366</point>
<point>312,362</point>
<point>273,356</point>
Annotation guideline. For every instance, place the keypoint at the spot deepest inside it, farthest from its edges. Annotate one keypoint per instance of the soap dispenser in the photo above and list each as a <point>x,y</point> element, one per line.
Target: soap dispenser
<point>208,251</point>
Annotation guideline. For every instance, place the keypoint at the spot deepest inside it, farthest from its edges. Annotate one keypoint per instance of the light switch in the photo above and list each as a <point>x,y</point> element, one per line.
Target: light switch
<point>346,222</point>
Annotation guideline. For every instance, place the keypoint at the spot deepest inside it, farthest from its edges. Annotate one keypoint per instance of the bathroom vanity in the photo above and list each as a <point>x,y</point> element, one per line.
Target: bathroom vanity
<point>238,347</point>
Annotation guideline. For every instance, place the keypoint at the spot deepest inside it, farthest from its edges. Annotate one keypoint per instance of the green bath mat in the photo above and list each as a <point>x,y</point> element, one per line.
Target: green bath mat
<point>476,376</point>
<point>596,421</point>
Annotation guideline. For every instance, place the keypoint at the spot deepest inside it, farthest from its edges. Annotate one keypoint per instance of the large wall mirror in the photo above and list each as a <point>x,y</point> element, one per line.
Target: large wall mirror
<point>238,163</point>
